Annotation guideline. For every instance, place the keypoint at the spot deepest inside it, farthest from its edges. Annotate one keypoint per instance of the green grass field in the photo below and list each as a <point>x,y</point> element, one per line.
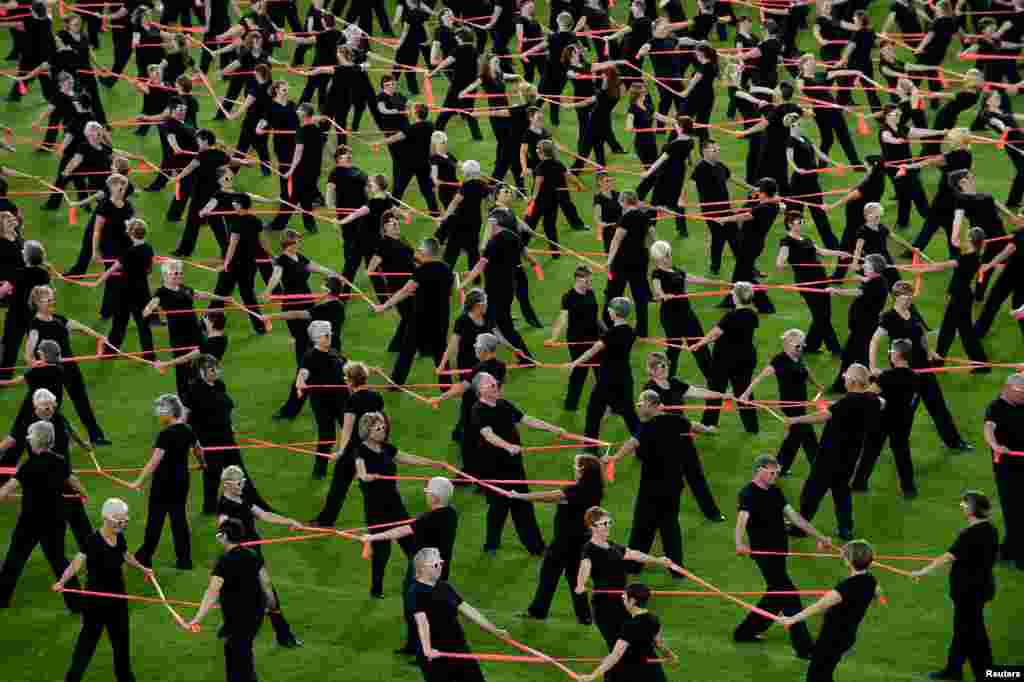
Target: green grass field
<point>323,583</point>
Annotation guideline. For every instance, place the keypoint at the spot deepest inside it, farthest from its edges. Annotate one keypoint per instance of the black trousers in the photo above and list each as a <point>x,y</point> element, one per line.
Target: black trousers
<point>95,619</point>
<point>156,514</point>
<point>618,397</point>
<point>636,278</point>
<point>940,214</point>
<point>970,638</point>
<point>523,296</point>
<point>828,476</point>
<point>507,159</point>
<point>693,471</point>
<point>561,558</point>
<point>803,186</point>
<point>935,403</point>
<point>735,371</point>
<point>462,238</point>
<point>1008,477</point>
<point>720,236</point>
<point>27,534</point>
<point>239,661</point>
<point>74,384</point>
<point>15,326</point>
<point>798,436</point>
<point>78,521</point>
<point>293,405</point>
<point>523,517</point>
<point>190,235</point>
<point>552,83</point>
<point>381,554</point>
<point>578,377</point>
<point>776,579</point>
<point>908,191</point>
<point>657,513</point>
<point>244,278</point>
<point>499,313</point>
<point>545,207</point>
<point>453,101</point>
<point>404,175</point>
<point>412,344</point>
<point>823,664</point>
<point>327,411</point>
<point>832,126</point>
<point>957,320</point>
<point>344,472</point>
<point>855,350</point>
<point>248,139</point>
<point>896,429</point>
<point>1017,188</point>
<point>821,330</point>
<point>1007,284</point>
<point>680,323</point>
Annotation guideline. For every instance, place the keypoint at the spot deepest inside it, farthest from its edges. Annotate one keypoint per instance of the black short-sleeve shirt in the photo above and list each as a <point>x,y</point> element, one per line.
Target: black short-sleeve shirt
<point>607,566</point>
<point>171,478</point>
<point>766,526</point>
<point>467,331</point>
<point>792,376</point>
<point>182,327</point>
<point>103,562</point>
<point>672,396</point>
<point>618,342</point>
<point>437,528</point>
<point>839,629</point>
<point>1009,422</point>
<point>664,443</point>
<point>434,286</point>
<point>975,549</point>
<point>241,597</point>
<point>42,478</point>
<point>583,315</point>
<point>440,604</point>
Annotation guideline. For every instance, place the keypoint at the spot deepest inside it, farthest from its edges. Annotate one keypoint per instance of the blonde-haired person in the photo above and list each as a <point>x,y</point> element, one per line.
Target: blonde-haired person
<point>943,207</point>
<point>444,168</point>
<point>359,399</point>
<point>376,463</point>
<point>236,502</point>
<point>873,237</point>
<point>900,323</point>
<point>734,358</point>
<point>47,325</point>
<point>678,320</point>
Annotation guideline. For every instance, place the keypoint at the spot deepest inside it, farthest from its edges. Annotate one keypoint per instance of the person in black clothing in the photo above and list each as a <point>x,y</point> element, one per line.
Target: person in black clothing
<point>133,267</point>
<point>638,642</point>
<point>614,387</point>
<point>1004,419</point>
<point>241,585</point>
<point>933,47</point>
<point>845,606</point>
<point>29,274</point>
<point>985,213</point>
<point>734,358</point>
<point>792,374</point>
<point>240,501</point>
<point>436,528</point>
<point>763,513</point>
<point>862,318</point>
<point>711,177</point>
<point>551,193</point>
<point>42,481</point>
<point>460,356</point>
<point>758,219</point>
<point>667,175</point>
<point>943,206</point>
<point>628,258</point>
<point>805,160</point>
<point>302,171</point>
<point>899,323</point>
<point>607,208</point>
<point>321,368</point>
<point>411,146</point>
<point>894,135</point>
<point>464,62</point>
<point>869,190</point>
<point>255,106</point>
<point>178,146</point>
<point>496,420</point>
<point>427,325</point>
<point>444,168</point>
<point>376,463</point>
<point>436,608</point>
<point>972,584</point>
<point>40,404</point>
<point>673,391</point>
<point>347,192</point>
<point>169,491</point>
<point>206,164</point>
<point>103,556</point>
<point>565,551</point>
<point>555,78</point>
<point>664,445</point>
<point>459,226</point>
<point>37,46</point>
<point>583,327</point>
<point>851,420</point>
<point>898,387</point>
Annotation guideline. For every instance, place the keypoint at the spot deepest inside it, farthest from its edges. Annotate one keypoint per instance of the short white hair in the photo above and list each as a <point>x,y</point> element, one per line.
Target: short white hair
<point>43,395</point>
<point>93,125</point>
<point>873,205</point>
<point>41,435</point>
<point>471,168</point>
<point>661,249</point>
<point>171,265</point>
<point>790,333</point>
<point>169,405</point>
<point>113,507</point>
<point>438,137</point>
<point>318,328</point>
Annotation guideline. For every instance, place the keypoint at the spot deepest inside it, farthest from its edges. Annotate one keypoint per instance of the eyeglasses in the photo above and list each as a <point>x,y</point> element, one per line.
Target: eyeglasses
<point>606,523</point>
<point>438,564</point>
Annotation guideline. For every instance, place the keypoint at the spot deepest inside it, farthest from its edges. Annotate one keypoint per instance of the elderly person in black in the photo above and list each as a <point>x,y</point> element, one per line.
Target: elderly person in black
<point>241,585</point>
<point>1004,433</point>
<point>103,556</point>
<point>565,551</point>
<point>972,584</point>
<point>42,480</point>
<point>168,493</point>
<point>862,318</point>
<point>664,445</point>
<point>500,453</point>
<point>763,513</point>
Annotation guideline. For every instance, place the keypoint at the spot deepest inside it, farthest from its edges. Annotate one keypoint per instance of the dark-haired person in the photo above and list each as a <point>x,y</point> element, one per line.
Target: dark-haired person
<point>133,266</point>
<point>41,480</point>
<point>565,551</point>
<point>413,158</point>
<point>1004,432</point>
<point>461,351</point>
<point>205,165</point>
<point>464,60</point>
<point>255,106</point>
<point>712,178</point>
<point>628,258</point>
<point>972,584</point>
<point>583,326</point>
<point>805,160</point>
<point>639,641</point>
<point>168,494</point>
<point>302,171</point>
<point>551,193</point>
<point>241,585</point>
<point>103,555</point>
<point>867,191</point>
<point>757,218</point>
<point>178,142</point>
<point>845,606</point>
<point>763,513</point>
<point>862,317</point>
<point>667,175</point>
<point>27,275</point>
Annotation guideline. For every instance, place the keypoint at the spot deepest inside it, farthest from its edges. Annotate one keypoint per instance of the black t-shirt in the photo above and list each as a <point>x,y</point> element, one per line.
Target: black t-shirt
<point>312,139</point>
<point>50,377</point>
<point>615,369</point>
<point>854,416</point>
<point>61,430</point>
<point>876,240</point>
<point>552,171</point>
<point>839,629</point>
<point>42,478</point>
<point>440,604</point>
<point>504,253</point>
<point>171,478</point>
<point>53,330</point>
<point>113,239</point>
<point>436,528</point>
<point>182,327</point>
<point>712,178</point>
<point>331,311</point>
<point>942,29</point>
<point>664,442</point>
<point>967,265</point>
<point>282,117</point>
<point>26,279</point>
<point>434,282</point>
<point>217,346</point>
<point>897,327</point>
<point>866,308</point>
<point>1009,422</point>
<point>975,549</point>
<point>792,376</point>
<point>803,252</point>
<point>136,264</point>
<point>395,256</point>
<point>738,327</point>
<point>583,315</point>
<point>240,511</point>
<point>672,396</point>
<point>766,526</point>
<point>416,146</point>
<point>241,597</point>
<point>380,496</point>
<point>607,567</point>
<point>531,138</point>
<point>210,408</point>
<point>103,561</point>
<point>465,66</point>
<point>632,251</point>
<point>468,330</point>
<point>294,273</point>
<point>470,209</point>
<point>324,367</point>
<point>248,229</point>
<point>673,283</point>
<point>640,632</point>
<point>502,418</point>
<point>349,187</point>
<point>209,160</point>
<point>899,386</point>
<point>570,511</point>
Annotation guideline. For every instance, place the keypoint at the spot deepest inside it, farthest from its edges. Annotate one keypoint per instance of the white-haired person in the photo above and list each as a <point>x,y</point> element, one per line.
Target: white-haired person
<point>41,480</point>
<point>444,168</point>
<point>236,503</point>
<point>436,608</point>
<point>462,220</point>
<point>168,494</point>
<point>103,556</point>
<point>46,373</point>
<point>322,366</point>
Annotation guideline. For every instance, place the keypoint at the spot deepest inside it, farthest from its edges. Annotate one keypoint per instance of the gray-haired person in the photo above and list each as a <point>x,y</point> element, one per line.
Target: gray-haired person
<point>42,480</point>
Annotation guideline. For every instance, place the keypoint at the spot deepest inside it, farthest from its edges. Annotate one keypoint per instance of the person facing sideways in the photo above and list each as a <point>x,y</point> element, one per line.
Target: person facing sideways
<point>972,584</point>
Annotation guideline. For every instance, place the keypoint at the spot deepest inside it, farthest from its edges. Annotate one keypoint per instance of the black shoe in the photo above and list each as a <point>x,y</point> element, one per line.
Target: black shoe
<point>586,620</point>
<point>844,534</point>
<point>293,643</point>
<point>962,446</point>
<point>795,532</point>
<point>101,441</point>
<point>719,518</point>
<point>491,551</point>
<point>376,595</point>
<point>746,639</point>
<point>405,650</point>
<point>805,655</point>
<point>910,494</point>
<point>945,675</point>
<point>184,565</point>
<point>859,488</point>
<point>530,615</point>
<point>580,228</point>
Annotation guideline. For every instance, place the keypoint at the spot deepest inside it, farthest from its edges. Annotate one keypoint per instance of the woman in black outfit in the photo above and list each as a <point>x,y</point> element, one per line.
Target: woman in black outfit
<point>413,42</point>
<point>940,213</point>
<point>817,87</point>
<point>73,55</point>
<point>583,326</point>
<point>640,122</point>
<point>678,320</point>
<point>734,358</point>
<point>460,353</point>
<point>239,501</point>
<point>565,551</point>
<point>103,556</point>
<point>375,457</point>
<point>47,325</point>
<point>805,159</point>
<point>894,135</point>
<point>291,272</point>
<point>321,366</point>
<point>248,55</point>
<point>801,253</point>
<point>359,399</point>
<point>1007,124</point>
<point>699,93</point>
<point>132,267</point>
<point>601,105</point>
<point>392,261</point>
<point>255,107</point>
<point>109,237</point>
<point>873,237</point>
<point>667,174</point>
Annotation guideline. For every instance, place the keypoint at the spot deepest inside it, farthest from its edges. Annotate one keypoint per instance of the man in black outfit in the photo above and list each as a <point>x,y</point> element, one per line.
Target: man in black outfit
<point>303,173</point>
<point>664,446</point>
<point>972,584</point>
<point>241,584</point>
<point>711,177</point>
<point>1004,433</point>
<point>629,258</point>
<point>42,480</point>
<point>205,165</point>
<point>763,512</point>
<point>465,61</point>
<point>426,329</point>
<point>410,149</point>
